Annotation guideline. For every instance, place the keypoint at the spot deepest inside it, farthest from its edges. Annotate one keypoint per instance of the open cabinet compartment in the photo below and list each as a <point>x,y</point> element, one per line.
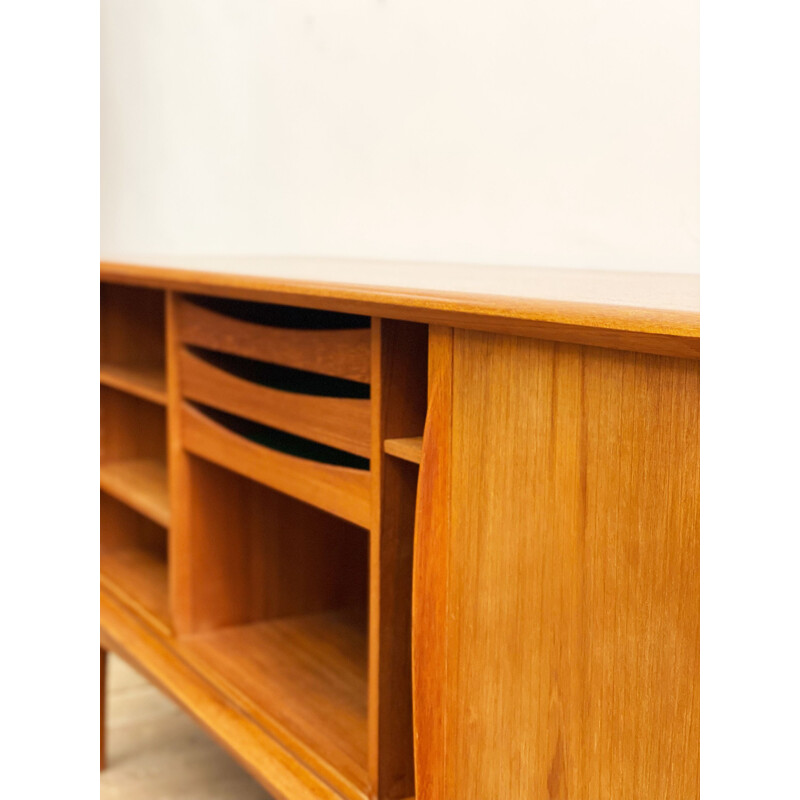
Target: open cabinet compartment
<point>133,561</point>
<point>277,568</point>
<point>133,453</point>
<point>271,599</point>
<point>132,340</point>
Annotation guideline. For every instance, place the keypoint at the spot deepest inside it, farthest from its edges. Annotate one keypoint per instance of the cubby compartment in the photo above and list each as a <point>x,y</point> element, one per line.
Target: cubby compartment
<point>272,597</point>
<point>133,452</point>
<point>133,560</point>
<point>132,341</point>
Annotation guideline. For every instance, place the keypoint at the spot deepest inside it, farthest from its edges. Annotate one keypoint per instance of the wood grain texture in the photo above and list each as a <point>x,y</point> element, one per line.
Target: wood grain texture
<point>571,650</point>
<point>340,353</point>
<point>304,679</point>
<point>399,372</point>
<point>139,483</point>
<point>257,554</point>
<point>408,448</point>
<point>339,490</point>
<point>161,660</point>
<point>143,380</point>
<point>130,428</point>
<point>133,561</point>
<point>132,339</point>
<point>338,422</point>
<point>646,312</point>
<point>431,574</point>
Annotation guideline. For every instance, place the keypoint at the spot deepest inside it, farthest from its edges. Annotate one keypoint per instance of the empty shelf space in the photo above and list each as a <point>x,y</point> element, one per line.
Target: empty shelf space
<point>409,449</point>
<point>139,483</point>
<point>147,381</point>
<point>137,576</point>
<point>304,678</point>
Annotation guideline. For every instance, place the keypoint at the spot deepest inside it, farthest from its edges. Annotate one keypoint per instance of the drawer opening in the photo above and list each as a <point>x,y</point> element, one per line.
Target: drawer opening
<point>279,316</point>
<point>283,442</point>
<point>285,379</point>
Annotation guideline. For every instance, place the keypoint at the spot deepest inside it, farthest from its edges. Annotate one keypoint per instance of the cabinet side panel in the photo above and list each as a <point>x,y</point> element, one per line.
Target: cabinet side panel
<point>572,581</point>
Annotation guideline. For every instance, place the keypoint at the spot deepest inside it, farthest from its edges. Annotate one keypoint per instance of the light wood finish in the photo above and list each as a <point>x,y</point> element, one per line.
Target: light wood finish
<point>430,578</point>
<point>409,448</point>
<point>640,311</point>
<point>140,483</point>
<point>132,340</point>
<point>130,428</point>
<point>160,658</point>
<point>256,554</point>
<point>545,546</point>
<point>340,353</point>
<point>143,380</point>
<point>137,576</point>
<point>338,422</point>
<point>157,752</point>
<point>571,585</point>
<point>103,662</point>
<point>340,490</point>
<point>304,679</point>
<point>399,370</point>
<point>133,561</point>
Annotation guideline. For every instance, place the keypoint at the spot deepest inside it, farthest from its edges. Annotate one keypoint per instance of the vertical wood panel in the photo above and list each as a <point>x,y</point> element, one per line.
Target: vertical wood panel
<point>399,367</point>
<point>571,627</point>
<point>181,575</point>
<point>429,600</point>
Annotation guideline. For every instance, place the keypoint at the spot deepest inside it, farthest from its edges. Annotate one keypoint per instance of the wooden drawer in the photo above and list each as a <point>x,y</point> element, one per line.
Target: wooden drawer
<point>242,387</point>
<point>233,443</point>
<point>325,342</point>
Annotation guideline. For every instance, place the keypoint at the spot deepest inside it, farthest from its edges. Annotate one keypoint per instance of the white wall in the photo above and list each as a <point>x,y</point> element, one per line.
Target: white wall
<point>533,132</point>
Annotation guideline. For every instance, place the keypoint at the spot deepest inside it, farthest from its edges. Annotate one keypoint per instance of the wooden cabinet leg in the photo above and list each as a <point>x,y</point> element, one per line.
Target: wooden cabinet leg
<point>103,659</point>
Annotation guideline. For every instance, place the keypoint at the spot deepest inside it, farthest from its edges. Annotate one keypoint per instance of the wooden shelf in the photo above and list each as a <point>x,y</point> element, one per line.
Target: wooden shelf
<point>137,576</point>
<point>409,449</point>
<point>147,381</point>
<point>140,484</point>
<point>303,678</point>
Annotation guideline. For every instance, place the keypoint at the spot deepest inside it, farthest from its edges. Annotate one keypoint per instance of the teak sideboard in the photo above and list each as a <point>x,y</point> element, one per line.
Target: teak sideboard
<point>395,530</point>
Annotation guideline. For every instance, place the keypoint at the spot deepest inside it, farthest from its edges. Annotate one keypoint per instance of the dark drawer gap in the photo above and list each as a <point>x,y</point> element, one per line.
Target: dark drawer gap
<point>283,442</point>
<point>286,379</point>
<point>281,316</point>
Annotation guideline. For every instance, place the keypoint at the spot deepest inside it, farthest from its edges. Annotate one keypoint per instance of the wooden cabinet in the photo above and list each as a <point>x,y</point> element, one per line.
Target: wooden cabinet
<point>393,541</point>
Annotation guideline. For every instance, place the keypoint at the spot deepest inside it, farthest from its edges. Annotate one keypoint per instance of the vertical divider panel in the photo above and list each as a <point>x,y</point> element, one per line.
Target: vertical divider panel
<point>180,574</point>
<point>429,595</point>
<point>399,379</point>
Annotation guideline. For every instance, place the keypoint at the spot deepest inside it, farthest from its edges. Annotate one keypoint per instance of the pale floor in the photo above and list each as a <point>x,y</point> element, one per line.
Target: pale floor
<point>156,752</point>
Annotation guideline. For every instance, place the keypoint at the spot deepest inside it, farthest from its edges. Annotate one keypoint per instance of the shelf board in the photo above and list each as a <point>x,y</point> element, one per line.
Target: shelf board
<point>140,484</point>
<point>138,578</point>
<point>147,381</point>
<point>409,449</point>
<point>304,679</point>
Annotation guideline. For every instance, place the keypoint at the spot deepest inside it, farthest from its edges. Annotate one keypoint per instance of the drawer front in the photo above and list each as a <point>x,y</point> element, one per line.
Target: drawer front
<point>332,344</point>
<point>340,490</point>
<point>341,422</point>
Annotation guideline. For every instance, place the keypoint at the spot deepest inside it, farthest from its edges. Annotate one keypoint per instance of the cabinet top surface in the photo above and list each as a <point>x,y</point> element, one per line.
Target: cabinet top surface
<point>629,303</point>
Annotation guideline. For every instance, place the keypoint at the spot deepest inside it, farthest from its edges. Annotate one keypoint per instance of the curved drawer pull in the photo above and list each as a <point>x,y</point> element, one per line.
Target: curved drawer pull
<point>313,341</point>
<point>234,444</point>
<point>278,316</point>
<point>340,422</point>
